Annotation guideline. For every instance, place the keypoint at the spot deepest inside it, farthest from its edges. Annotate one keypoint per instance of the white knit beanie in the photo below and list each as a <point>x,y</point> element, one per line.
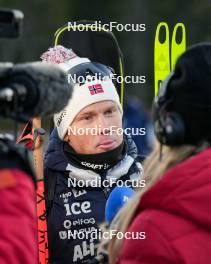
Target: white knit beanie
<point>90,92</point>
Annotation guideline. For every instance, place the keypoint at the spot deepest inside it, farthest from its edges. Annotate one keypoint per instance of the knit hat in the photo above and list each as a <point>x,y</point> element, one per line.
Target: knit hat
<point>190,91</point>
<point>91,91</point>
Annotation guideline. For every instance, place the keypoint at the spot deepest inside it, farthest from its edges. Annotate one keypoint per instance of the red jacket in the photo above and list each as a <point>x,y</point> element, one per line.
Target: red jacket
<point>18,223</point>
<point>175,215</point>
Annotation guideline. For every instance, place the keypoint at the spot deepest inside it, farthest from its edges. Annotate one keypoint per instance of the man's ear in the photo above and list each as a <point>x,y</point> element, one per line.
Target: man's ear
<point>65,138</point>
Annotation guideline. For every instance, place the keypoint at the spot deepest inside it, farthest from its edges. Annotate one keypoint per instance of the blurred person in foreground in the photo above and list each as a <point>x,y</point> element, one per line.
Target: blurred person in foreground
<point>174,208</point>
<point>18,220</point>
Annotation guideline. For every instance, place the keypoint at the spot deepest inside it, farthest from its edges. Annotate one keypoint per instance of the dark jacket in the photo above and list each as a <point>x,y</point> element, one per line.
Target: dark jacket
<point>77,211</point>
<point>175,216</point>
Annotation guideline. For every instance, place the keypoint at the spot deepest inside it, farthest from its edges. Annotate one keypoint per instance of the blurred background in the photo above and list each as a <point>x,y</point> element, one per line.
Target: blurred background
<point>44,17</point>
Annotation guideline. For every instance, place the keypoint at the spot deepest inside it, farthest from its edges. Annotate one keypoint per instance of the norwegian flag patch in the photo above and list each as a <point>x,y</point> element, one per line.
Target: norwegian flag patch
<point>95,89</point>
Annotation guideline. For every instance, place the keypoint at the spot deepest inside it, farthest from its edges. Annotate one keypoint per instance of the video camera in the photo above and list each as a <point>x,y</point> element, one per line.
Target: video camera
<point>28,90</point>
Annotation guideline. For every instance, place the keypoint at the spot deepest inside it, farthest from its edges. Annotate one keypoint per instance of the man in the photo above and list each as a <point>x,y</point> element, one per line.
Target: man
<point>86,156</point>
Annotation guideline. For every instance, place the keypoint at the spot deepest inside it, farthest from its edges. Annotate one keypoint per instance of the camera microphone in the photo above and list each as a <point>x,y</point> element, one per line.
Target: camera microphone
<point>33,89</point>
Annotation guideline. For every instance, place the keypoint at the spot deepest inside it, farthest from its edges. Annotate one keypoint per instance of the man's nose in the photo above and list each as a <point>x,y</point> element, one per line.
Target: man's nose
<point>103,125</point>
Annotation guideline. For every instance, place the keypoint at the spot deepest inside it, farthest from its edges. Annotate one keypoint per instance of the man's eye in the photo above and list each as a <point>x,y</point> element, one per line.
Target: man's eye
<point>110,111</point>
<point>87,118</point>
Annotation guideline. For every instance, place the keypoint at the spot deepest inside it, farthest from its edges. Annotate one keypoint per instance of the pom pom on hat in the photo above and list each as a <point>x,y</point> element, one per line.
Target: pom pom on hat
<point>58,54</point>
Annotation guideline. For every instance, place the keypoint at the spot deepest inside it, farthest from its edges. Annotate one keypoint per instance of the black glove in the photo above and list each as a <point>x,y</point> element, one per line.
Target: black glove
<point>102,258</point>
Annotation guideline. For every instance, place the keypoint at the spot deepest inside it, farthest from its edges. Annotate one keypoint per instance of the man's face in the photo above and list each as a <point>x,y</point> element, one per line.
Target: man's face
<point>106,118</point>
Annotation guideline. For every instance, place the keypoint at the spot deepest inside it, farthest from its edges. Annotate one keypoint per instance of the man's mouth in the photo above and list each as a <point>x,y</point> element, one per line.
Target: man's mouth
<point>107,144</point>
